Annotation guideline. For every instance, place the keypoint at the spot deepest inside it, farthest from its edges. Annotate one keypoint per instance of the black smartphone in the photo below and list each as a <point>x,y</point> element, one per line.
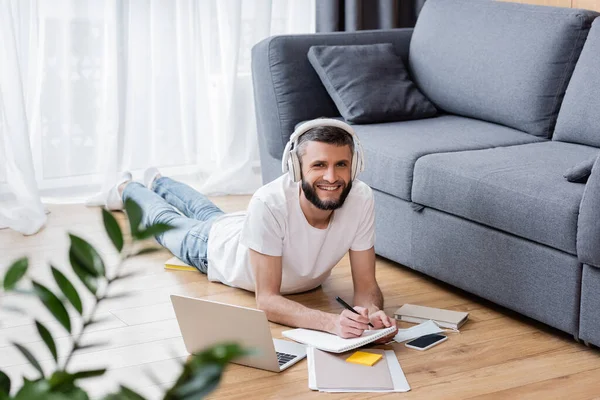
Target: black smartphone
<point>426,342</point>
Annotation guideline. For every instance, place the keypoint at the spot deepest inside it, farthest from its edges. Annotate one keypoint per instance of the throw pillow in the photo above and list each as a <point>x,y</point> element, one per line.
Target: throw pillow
<point>369,83</point>
<point>581,172</point>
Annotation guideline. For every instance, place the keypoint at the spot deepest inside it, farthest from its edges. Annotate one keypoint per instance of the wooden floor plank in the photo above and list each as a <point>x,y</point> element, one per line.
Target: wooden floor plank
<point>577,386</point>
<point>27,333</point>
<point>108,339</point>
<point>507,375</point>
<point>138,377</point>
<point>119,357</point>
<point>497,354</point>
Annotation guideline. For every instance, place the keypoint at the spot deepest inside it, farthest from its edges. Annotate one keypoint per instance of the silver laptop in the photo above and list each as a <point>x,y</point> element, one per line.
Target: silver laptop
<point>204,323</point>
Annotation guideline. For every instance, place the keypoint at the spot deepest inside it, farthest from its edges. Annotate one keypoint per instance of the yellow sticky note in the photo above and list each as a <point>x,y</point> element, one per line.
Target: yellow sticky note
<point>364,358</point>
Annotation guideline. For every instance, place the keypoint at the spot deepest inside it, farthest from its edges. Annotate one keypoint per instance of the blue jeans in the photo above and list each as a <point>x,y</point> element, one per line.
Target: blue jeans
<point>188,241</point>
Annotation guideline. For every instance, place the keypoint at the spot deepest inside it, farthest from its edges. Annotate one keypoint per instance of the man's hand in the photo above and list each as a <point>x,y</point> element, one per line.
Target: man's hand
<point>350,325</point>
<point>380,320</point>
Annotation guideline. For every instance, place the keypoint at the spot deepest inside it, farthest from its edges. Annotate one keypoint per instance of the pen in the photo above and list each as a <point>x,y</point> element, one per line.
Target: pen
<point>347,306</point>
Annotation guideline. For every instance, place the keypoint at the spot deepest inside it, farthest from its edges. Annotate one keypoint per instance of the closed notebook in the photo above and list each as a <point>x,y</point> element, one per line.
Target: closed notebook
<point>334,343</point>
<point>443,318</point>
<point>333,372</point>
<point>176,264</point>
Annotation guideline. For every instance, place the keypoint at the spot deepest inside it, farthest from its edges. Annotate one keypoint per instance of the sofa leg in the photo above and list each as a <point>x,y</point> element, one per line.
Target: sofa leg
<point>576,338</point>
<point>587,344</point>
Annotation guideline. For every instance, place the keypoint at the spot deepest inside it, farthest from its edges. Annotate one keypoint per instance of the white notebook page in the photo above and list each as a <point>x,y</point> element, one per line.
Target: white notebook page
<point>333,343</point>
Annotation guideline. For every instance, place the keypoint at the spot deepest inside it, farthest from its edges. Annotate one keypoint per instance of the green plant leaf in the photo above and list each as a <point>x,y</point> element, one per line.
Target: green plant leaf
<point>41,389</point>
<point>151,231</point>
<point>134,214</point>
<point>53,304</point>
<point>113,230</point>
<point>64,382</point>
<point>201,383</point>
<point>47,338</point>
<point>32,360</point>
<point>74,393</point>
<point>92,345</point>
<point>14,273</point>
<point>131,395</point>
<point>88,258</point>
<point>90,282</point>
<point>124,394</point>
<point>202,373</point>
<point>60,380</point>
<point>82,265</point>
<point>68,289</point>
<point>89,373</point>
<point>221,353</point>
<point>33,390</point>
<point>4,384</point>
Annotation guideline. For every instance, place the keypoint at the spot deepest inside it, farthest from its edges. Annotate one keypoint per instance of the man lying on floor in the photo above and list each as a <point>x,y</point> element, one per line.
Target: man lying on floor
<point>296,229</point>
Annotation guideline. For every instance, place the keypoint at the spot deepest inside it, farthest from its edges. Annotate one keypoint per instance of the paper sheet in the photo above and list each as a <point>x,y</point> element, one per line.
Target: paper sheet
<point>424,328</point>
<point>398,378</point>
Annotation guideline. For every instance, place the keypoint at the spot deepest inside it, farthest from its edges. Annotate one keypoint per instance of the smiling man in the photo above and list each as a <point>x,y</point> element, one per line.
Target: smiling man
<point>296,229</point>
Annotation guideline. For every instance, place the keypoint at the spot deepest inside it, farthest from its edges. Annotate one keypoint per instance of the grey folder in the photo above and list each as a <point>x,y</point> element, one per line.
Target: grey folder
<point>333,372</point>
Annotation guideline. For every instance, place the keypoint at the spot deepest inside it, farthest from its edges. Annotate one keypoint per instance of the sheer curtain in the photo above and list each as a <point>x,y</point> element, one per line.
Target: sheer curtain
<point>90,88</point>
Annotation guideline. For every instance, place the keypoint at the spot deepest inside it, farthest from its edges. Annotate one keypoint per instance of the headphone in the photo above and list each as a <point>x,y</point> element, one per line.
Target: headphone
<point>290,162</point>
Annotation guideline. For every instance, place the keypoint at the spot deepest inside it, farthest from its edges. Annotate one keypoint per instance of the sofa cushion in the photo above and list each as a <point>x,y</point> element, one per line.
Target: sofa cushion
<point>392,148</point>
<point>581,172</point>
<point>369,83</point>
<point>496,61</point>
<point>288,90</point>
<point>517,189</point>
<point>579,116</point>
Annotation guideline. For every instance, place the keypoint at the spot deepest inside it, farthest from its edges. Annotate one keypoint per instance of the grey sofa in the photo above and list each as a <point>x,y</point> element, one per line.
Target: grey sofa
<point>476,196</point>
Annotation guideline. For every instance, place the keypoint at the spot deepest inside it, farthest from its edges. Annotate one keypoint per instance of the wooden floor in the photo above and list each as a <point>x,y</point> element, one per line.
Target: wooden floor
<point>498,354</point>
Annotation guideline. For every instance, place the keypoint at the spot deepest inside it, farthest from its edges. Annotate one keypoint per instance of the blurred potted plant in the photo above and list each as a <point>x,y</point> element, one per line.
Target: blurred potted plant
<point>200,375</point>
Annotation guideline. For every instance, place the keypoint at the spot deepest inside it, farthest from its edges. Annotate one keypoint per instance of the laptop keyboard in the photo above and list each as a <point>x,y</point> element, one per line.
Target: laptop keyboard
<point>284,358</point>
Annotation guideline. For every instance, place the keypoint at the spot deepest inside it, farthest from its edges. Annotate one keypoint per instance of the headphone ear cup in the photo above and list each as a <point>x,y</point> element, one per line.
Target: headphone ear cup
<point>294,167</point>
<point>354,166</point>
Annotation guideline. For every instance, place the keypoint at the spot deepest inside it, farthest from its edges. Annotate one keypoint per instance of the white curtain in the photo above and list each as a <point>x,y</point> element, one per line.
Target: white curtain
<point>90,88</point>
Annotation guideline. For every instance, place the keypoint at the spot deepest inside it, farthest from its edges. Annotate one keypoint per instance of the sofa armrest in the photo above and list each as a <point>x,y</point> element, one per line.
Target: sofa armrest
<point>588,224</point>
<point>286,88</point>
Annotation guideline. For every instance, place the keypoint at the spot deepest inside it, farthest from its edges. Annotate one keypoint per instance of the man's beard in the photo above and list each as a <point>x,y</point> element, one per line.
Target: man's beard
<point>311,195</point>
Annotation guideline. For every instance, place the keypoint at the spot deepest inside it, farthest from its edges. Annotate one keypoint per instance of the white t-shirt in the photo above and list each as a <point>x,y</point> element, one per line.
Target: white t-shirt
<point>275,225</point>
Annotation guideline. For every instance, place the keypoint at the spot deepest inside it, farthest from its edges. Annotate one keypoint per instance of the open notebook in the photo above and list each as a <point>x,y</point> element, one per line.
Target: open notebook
<point>335,344</point>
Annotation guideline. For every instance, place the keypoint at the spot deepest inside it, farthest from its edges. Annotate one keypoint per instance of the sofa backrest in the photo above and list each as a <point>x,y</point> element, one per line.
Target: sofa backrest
<point>506,63</point>
<point>579,116</point>
<point>287,90</point>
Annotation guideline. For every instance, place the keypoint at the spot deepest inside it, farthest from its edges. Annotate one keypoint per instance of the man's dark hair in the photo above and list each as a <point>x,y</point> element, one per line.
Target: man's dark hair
<point>325,134</point>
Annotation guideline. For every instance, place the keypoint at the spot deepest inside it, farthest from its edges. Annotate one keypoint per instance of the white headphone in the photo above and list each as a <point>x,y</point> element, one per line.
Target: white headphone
<point>291,163</point>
